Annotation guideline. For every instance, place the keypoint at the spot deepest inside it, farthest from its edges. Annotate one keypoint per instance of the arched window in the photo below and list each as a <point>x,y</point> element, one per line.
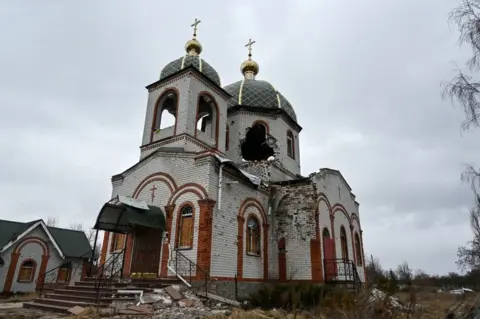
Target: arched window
<point>358,249</point>
<point>253,236</point>
<point>117,243</point>
<point>26,273</point>
<point>290,145</point>
<point>206,121</point>
<point>64,272</point>
<point>227,138</point>
<point>185,227</point>
<point>165,113</point>
<point>326,233</point>
<point>344,243</point>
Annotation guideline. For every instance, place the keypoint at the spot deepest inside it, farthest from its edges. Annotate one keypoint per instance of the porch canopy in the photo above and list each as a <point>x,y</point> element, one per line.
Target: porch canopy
<point>122,214</point>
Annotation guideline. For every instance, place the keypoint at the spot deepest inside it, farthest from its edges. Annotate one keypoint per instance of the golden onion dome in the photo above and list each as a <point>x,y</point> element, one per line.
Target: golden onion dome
<point>249,68</point>
<point>193,47</point>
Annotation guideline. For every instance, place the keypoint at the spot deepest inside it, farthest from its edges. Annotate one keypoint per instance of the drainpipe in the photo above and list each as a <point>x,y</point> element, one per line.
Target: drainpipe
<point>220,179</point>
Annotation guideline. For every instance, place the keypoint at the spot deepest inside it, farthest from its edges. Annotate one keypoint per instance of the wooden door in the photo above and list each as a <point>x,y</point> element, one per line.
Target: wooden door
<point>282,260</point>
<point>329,258</point>
<point>146,251</point>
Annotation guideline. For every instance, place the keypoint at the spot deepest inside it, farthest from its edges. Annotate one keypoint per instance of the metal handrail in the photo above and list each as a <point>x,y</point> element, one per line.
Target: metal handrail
<point>99,272</point>
<point>41,277</point>
<point>187,270</point>
<point>349,271</point>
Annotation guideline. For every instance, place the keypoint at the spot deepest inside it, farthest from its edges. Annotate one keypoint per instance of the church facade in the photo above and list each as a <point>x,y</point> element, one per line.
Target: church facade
<point>225,173</point>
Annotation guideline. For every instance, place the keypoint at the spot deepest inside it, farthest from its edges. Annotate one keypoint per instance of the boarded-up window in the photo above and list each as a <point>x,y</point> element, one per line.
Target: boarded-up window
<point>64,273</point>
<point>344,243</point>
<point>26,272</point>
<point>290,145</point>
<point>253,236</point>
<point>118,242</point>
<point>185,227</point>
<point>358,250</point>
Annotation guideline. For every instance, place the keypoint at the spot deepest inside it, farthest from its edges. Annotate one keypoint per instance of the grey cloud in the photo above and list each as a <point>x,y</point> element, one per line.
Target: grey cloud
<point>363,78</point>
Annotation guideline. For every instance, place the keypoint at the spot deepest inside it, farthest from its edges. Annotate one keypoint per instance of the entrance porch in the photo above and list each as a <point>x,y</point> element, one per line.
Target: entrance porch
<point>140,228</point>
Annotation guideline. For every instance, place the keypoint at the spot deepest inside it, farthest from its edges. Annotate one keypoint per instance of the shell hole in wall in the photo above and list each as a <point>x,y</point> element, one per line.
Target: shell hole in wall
<point>256,147</point>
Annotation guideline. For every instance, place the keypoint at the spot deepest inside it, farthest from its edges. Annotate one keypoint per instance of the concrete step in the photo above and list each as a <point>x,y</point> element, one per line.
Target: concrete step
<point>85,293</point>
<point>88,288</point>
<point>67,303</point>
<point>45,307</point>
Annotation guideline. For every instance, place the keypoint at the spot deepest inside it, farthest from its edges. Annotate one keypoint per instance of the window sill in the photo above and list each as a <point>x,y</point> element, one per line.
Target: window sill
<point>25,281</point>
<point>253,255</point>
<point>116,251</point>
<point>183,248</point>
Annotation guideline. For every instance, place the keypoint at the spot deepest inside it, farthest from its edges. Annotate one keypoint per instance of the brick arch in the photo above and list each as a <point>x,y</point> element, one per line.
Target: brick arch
<point>354,217</point>
<point>33,239</point>
<point>252,202</point>
<point>262,122</point>
<point>195,188</point>
<point>321,198</point>
<point>155,177</point>
<point>340,208</point>
<point>247,203</point>
<point>217,114</point>
<point>15,256</point>
<point>155,110</point>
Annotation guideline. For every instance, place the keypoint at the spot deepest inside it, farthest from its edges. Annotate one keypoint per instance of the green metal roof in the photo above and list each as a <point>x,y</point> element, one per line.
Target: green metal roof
<point>188,60</point>
<point>123,218</point>
<point>73,243</point>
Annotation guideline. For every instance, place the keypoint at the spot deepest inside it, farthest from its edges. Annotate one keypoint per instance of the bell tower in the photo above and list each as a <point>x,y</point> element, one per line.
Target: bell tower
<point>187,108</point>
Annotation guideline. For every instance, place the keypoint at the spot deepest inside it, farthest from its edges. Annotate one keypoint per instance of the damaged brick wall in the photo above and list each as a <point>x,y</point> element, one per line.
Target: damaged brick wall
<point>294,220</point>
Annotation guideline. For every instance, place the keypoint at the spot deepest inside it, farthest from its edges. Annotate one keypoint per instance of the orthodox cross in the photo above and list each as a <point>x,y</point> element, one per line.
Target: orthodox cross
<point>153,189</point>
<point>339,193</point>
<point>194,25</point>
<point>249,46</point>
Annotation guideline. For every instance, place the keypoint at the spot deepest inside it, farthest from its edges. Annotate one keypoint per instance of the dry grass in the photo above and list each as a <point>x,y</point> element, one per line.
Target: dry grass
<point>429,305</point>
<point>23,297</point>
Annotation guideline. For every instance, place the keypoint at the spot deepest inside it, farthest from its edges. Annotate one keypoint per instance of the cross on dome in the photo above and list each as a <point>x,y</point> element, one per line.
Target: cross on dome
<point>193,47</point>
<point>194,26</point>
<point>249,68</point>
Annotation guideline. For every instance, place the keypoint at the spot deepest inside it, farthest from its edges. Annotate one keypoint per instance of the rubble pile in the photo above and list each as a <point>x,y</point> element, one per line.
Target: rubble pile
<point>172,302</point>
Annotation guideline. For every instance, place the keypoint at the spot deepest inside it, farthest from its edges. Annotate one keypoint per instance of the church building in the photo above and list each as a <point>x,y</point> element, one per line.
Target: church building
<point>219,191</point>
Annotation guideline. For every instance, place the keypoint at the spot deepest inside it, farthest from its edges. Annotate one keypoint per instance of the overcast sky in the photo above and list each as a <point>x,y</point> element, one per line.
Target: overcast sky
<point>363,76</point>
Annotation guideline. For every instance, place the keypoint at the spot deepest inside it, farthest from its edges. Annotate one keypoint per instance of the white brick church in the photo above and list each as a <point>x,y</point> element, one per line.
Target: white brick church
<point>219,188</point>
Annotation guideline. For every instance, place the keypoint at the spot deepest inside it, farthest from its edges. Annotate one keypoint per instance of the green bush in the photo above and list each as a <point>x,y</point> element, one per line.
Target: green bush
<point>296,296</point>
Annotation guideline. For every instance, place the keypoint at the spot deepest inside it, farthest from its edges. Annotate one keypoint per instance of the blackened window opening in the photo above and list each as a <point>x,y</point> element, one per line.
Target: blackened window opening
<point>255,147</point>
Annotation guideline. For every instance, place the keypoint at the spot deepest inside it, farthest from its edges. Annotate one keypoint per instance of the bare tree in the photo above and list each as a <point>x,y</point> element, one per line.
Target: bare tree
<point>374,270</point>
<point>90,233</point>
<point>404,273</point>
<point>52,221</point>
<point>463,87</point>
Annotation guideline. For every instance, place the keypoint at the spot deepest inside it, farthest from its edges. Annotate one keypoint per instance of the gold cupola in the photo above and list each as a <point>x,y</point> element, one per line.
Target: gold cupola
<point>193,47</point>
<point>249,68</point>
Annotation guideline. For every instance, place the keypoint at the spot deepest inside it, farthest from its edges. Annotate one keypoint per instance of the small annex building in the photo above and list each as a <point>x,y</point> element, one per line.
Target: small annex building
<point>33,253</point>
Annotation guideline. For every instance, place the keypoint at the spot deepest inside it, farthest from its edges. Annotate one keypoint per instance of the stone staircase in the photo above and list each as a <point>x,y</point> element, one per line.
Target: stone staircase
<point>84,293</point>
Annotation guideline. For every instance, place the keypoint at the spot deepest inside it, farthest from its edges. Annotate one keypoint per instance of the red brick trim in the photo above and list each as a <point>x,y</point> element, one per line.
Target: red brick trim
<point>162,177</point>
<point>103,256</point>
<point>265,124</point>
<point>195,188</point>
<point>332,233</point>
<point>217,114</point>
<point>241,222</point>
<point>156,107</point>
<point>204,247</point>
<point>321,198</point>
<point>353,245</point>
<point>247,203</point>
<point>252,202</point>
<point>339,207</point>
<point>355,217</point>
<point>127,262</point>
<point>16,255</point>
<point>177,225</point>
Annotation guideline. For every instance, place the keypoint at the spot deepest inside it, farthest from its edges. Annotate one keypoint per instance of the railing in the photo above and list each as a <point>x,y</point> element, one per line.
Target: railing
<point>105,274</point>
<point>186,270</point>
<point>51,276</point>
<point>342,271</point>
